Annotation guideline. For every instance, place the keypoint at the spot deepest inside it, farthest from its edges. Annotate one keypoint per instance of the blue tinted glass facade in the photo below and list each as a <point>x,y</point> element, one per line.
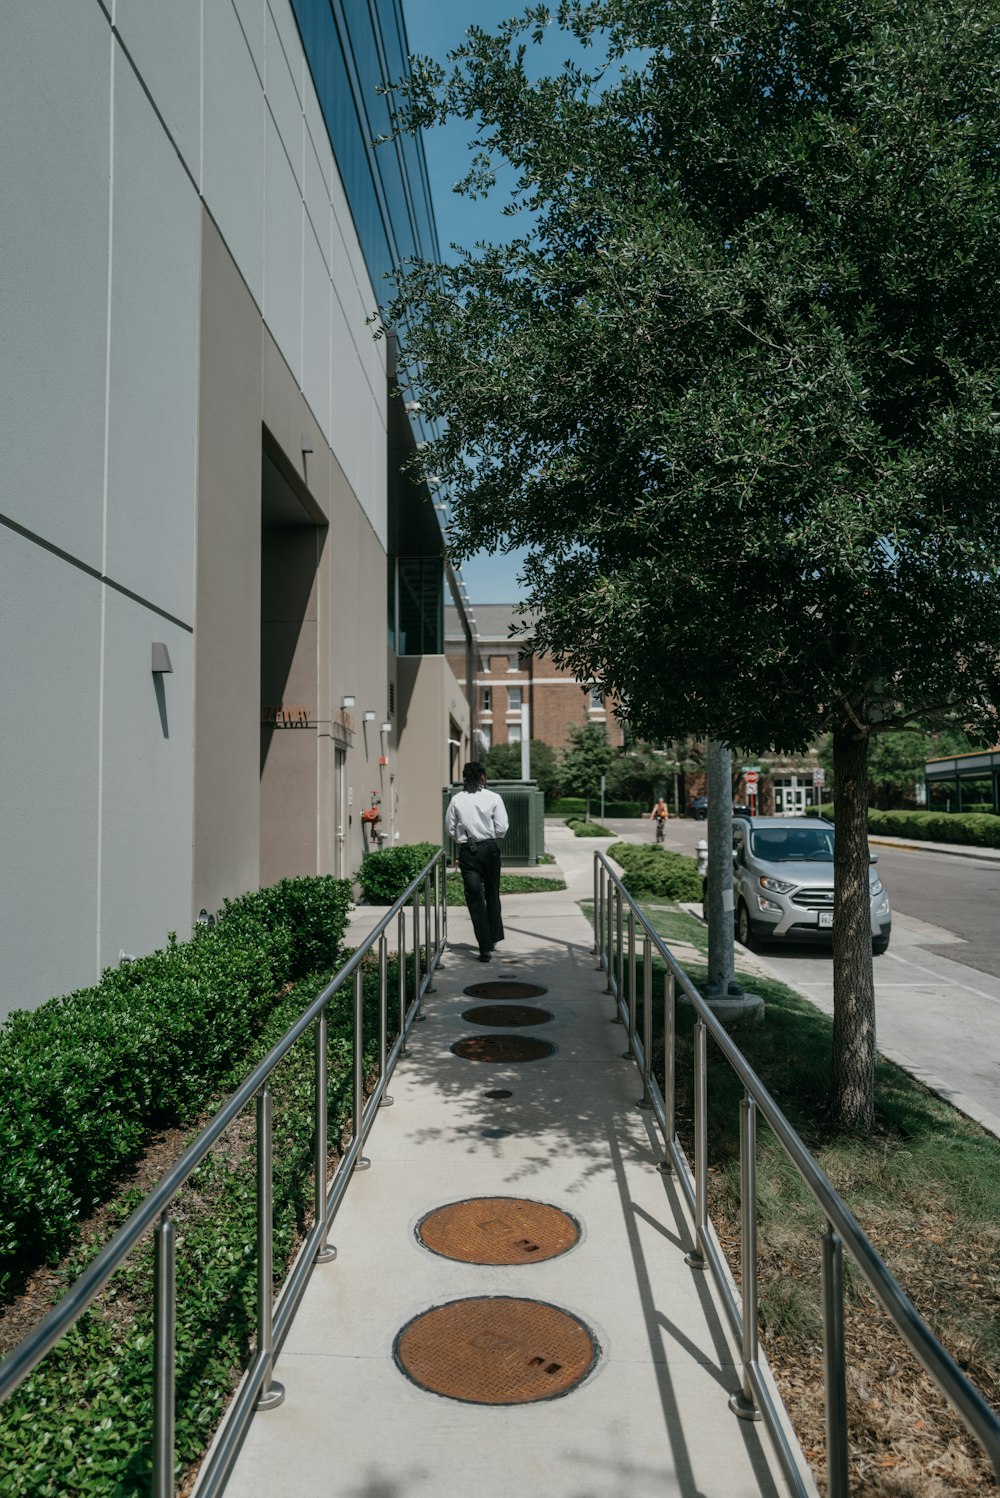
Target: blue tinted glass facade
<point>352,47</point>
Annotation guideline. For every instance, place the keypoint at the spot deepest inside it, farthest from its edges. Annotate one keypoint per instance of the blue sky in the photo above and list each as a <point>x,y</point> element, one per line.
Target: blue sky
<point>433,28</point>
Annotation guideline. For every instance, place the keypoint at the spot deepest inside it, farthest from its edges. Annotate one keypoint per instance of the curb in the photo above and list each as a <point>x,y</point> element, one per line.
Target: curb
<point>914,845</point>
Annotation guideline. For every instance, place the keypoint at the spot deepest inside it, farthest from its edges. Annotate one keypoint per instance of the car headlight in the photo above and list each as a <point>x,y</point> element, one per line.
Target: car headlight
<point>877,886</point>
<point>777,886</point>
<point>763,904</point>
<point>883,907</point>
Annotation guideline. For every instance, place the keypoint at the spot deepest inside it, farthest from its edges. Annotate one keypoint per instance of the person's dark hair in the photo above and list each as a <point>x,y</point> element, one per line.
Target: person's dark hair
<point>472,774</point>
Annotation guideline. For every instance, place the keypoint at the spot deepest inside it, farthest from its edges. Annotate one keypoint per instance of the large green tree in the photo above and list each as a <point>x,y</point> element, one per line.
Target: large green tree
<point>586,761</point>
<point>735,385</point>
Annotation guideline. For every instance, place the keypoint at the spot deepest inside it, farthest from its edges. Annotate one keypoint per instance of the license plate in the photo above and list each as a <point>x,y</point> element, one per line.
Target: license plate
<point>826,919</point>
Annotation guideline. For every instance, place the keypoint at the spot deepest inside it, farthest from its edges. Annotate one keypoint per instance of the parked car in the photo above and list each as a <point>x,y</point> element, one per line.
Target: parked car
<point>783,883</point>
<point>698,808</point>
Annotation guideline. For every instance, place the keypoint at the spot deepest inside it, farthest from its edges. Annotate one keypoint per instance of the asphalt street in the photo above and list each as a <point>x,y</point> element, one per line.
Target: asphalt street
<point>937,989</point>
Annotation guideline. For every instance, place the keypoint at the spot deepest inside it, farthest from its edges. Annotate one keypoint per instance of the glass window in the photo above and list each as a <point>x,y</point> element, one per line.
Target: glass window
<point>513,733</point>
<point>513,699</point>
<point>485,736</point>
<point>487,699</point>
<point>420,618</point>
<point>596,698</point>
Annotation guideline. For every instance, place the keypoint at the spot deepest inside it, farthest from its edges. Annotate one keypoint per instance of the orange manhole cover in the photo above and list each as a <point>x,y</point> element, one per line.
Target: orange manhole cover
<point>498,1230</point>
<point>503,1048</point>
<point>506,1014</point>
<point>496,1350</point>
<point>504,988</point>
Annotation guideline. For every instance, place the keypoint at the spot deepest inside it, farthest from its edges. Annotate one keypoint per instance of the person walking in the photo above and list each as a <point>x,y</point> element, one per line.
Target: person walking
<point>477,818</point>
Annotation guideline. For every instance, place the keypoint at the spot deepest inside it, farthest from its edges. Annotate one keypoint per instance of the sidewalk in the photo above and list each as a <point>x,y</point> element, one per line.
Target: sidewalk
<point>652,1416</point>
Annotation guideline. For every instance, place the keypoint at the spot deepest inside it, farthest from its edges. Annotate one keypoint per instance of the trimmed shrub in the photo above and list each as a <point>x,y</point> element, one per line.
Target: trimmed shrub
<point>657,871</point>
<point>384,875</point>
<point>85,1078</point>
<point>975,829</point>
<point>587,829</point>
<point>575,806</point>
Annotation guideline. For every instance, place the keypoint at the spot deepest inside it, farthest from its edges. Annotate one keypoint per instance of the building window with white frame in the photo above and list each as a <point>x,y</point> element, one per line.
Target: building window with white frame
<point>596,700</point>
<point>484,738</point>
<point>513,699</point>
<point>513,733</point>
<point>486,702</point>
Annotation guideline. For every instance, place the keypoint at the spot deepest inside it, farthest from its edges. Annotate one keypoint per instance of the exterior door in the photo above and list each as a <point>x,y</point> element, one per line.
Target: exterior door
<point>339,812</point>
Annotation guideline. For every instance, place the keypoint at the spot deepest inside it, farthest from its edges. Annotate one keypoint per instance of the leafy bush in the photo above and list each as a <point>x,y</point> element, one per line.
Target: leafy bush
<point>85,1078</point>
<point>974,829</point>
<point>384,875</point>
<point>587,829</point>
<point>656,871</point>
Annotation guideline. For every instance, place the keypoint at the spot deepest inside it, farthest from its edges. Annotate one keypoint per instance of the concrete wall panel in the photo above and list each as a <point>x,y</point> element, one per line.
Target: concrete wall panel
<point>164,42</point>
<point>55,71</point>
<point>233,144</point>
<point>283,98</point>
<point>316,322</point>
<point>146,779</point>
<point>283,252</point>
<point>252,16</point>
<point>50,668</point>
<point>283,18</point>
<point>152,425</point>
<point>227,616</point>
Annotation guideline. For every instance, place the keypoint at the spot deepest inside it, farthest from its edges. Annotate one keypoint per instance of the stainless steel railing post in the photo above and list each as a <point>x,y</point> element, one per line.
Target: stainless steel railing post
<point>609,906</point>
<point>427,934</point>
<point>616,986</point>
<point>271,1393</point>
<point>383,1012</point>
<point>443,866</point>
<point>646,1101</point>
<point>696,1258</point>
<point>416,948</point>
<point>597,912</point>
<point>669,1071</point>
<point>835,1367</point>
<point>326,1252</point>
<point>361,1163</point>
<point>633,982</point>
<point>401,978</point>
<point>742,1403</point>
<point>164,1355</point>
<point>437,909</point>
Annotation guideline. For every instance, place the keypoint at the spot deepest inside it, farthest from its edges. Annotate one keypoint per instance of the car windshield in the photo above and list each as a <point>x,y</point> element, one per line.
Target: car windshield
<point>788,844</point>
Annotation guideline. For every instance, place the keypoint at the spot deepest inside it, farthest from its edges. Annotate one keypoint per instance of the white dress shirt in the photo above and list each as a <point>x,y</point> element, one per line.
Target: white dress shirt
<point>476,815</point>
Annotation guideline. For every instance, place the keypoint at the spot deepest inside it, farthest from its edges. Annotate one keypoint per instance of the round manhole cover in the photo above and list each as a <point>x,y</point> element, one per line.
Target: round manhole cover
<point>498,1092</point>
<point>504,988</point>
<point>496,1350</point>
<point>503,1048</point>
<point>508,1015</point>
<point>498,1230</point>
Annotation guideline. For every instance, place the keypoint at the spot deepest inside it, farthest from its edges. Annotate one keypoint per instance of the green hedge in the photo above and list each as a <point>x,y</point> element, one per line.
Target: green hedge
<point>576,806</point>
<point>656,871</point>
<point>82,1422</point>
<point>587,829</point>
<point>973,828</point>
<point>384,875</point>
<point>510,884</point>
<point>85,1078</point>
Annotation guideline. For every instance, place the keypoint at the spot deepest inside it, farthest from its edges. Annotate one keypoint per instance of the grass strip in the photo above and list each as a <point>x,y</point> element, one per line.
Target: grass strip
<point>510,884</point>
<point>82,1423</point>
<point>926,1189</point>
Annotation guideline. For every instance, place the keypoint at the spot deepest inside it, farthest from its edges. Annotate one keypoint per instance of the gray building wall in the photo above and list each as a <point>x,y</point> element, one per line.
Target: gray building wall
<point>180,273</point>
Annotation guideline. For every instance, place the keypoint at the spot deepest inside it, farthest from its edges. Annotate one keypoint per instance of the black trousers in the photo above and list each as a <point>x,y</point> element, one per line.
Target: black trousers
<point>480,866</point>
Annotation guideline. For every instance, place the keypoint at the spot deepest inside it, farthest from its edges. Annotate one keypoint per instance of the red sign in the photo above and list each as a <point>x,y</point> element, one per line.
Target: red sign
<point>750,779</point>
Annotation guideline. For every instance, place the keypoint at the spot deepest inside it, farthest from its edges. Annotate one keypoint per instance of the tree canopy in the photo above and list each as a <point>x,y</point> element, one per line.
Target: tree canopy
<point>736,383</point>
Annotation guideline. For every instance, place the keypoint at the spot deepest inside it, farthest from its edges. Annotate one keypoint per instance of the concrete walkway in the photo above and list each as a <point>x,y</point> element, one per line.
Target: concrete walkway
<point>652,1417</point>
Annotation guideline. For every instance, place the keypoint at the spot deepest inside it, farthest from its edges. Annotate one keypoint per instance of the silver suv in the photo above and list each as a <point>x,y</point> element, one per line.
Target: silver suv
<point>783,882</point>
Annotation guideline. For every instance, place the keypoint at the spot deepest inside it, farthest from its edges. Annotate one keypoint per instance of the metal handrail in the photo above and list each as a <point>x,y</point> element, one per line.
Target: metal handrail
<point>258,1388</point>
<point>757,1396</point>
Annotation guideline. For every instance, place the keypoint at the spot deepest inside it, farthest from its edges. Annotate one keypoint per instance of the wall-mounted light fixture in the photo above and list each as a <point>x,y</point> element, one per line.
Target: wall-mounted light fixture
<point>412,406</point>
<point>348,701</point>
<point>385,728</point>
<point>205,920</point>
<point>368,715</point>
<point>161,659</point>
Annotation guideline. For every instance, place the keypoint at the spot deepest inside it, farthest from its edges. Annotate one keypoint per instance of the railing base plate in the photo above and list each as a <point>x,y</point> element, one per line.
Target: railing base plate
<point>742,1407</point>
<point>274,1396</point>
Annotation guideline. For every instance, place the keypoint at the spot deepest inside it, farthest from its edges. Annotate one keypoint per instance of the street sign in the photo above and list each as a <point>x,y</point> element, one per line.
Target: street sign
<point>750,779</point>
<point>819,776</point>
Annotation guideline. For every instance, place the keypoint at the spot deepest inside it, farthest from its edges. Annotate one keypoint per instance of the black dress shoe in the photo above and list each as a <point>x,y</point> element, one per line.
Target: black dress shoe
<point>484,957</point>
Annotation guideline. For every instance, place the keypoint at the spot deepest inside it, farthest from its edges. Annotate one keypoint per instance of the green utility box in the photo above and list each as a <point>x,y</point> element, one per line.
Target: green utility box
<point>525,841</point>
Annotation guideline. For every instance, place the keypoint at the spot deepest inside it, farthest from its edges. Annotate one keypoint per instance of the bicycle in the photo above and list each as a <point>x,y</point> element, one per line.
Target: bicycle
<point>661,829</point>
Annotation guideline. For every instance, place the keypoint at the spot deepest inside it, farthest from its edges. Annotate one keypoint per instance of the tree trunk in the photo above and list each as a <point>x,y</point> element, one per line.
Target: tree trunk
<point>852,1091</point>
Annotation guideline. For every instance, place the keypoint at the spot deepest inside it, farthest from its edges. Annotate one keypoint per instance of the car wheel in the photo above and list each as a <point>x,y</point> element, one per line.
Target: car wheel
<point>744,934</point>
<point>880,946</point>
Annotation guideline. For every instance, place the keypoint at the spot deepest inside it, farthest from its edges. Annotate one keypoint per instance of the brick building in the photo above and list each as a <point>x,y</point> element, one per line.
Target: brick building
<point>509,675</point>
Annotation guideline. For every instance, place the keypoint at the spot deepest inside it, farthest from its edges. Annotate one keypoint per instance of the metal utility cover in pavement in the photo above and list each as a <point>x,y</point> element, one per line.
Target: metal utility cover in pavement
<point>508,1015</point>
<point>496,1350</point>
<point>504,988</point>
<point>498,1230</point>
<point>502,1048</point>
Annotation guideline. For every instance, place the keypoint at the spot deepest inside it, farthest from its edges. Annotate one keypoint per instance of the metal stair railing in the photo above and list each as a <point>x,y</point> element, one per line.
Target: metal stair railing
<point>620,927</point>
<point>258,1389</point>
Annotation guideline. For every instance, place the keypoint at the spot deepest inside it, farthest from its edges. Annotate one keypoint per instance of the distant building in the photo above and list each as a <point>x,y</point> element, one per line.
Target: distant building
<point>506,674</point>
